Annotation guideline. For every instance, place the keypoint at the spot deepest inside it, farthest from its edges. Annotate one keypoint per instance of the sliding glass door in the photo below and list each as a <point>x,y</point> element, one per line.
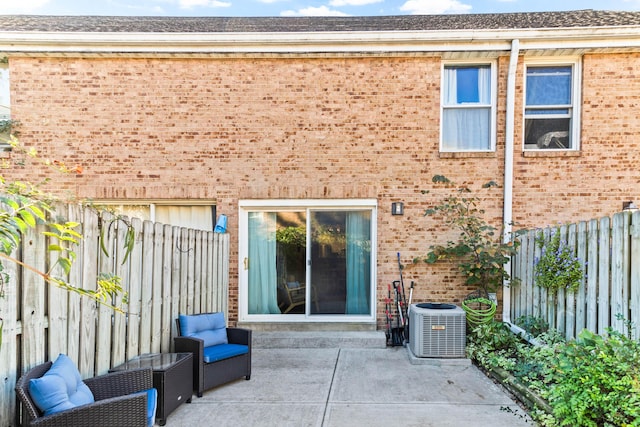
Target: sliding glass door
<point>340,262</point>
<point>307,262</point>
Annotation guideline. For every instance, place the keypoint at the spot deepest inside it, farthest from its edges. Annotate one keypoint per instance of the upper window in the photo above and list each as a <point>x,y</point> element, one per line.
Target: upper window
<point>468,99</point>
<point>550,113</point>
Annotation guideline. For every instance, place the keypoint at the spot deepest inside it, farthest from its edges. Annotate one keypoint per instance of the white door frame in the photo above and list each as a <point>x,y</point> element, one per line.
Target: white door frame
<point>244,206</point>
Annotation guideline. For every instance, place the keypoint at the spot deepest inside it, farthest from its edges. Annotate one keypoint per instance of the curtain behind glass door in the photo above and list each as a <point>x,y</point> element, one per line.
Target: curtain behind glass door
<point>263,293</point>
<point>340,262</point>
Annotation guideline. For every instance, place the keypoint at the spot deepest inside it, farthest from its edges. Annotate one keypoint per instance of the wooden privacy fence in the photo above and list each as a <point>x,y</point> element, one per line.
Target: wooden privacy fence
<point>609,295</point>
<point>170,270</point>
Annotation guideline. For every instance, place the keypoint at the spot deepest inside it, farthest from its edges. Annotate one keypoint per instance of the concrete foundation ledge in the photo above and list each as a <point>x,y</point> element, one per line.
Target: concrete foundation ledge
<point>415,360</point>
<point>318,339</point>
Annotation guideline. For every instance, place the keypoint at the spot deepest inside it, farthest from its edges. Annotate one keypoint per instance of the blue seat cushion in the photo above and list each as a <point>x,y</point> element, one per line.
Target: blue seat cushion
<point>152,403</point>
<point>209,327</point>
<point>60,388</point>
<point>223,351</point>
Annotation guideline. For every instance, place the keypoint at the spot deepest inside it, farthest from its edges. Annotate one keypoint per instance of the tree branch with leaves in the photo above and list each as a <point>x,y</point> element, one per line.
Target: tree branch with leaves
<point>24,208</point>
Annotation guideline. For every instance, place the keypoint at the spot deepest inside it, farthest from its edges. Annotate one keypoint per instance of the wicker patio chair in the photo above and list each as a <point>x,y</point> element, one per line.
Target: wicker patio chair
<point>117,401</point>
<point>210,367</point>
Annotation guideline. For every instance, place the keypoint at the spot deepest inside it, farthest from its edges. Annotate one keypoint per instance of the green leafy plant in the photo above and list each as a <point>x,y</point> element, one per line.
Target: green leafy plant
<point>593,380</point>
<point>24,207</point>
<point>533,325</point>
<point>558,267</point>
<point>491,344</point>
<point>479,250</point>
<point>599,381</point>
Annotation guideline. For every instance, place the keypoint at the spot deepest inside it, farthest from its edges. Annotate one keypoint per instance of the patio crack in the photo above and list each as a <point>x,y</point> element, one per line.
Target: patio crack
<point>333,377</point>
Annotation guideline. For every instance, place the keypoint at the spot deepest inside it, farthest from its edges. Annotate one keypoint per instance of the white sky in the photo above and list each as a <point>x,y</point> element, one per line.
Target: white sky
<point>298,7</point>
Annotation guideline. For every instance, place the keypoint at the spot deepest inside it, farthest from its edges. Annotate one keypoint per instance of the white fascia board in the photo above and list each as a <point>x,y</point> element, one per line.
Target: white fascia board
<point>318,42</point>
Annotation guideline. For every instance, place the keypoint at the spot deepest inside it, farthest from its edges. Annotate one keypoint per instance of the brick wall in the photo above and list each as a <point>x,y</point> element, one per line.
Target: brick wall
<point>226,129</point>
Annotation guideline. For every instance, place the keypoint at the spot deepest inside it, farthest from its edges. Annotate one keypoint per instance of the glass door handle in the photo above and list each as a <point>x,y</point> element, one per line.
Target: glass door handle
<point>246,263</point>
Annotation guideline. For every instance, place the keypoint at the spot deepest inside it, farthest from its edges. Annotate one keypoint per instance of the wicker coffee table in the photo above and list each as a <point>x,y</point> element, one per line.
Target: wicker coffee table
<point>172,377</point>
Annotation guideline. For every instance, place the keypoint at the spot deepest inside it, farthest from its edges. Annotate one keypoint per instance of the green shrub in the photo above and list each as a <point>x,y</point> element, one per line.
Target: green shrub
<point>592,381</point>
<point>598,382</point>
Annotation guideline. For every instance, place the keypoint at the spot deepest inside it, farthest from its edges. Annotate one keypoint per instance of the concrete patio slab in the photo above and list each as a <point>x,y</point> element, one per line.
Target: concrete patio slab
<point>369,387</point>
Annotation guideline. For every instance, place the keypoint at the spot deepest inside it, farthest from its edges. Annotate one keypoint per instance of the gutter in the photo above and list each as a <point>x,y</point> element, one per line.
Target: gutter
<point>616,38</point>
<point>509,149</point>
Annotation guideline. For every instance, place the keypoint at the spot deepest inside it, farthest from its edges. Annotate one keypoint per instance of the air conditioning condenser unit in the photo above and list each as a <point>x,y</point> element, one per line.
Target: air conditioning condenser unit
<point>437,330</point>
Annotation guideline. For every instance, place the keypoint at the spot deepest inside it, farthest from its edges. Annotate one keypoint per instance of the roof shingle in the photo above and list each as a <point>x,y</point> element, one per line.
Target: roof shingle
<point>490,21</point>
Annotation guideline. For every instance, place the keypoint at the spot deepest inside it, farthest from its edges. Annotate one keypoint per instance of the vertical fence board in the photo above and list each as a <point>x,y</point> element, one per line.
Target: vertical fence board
<point>75,314</point>
<point>197,270</point>
<point>58,302</point>
<point>10,368</point>
<point>33,299</point>
<point>88,309</point>
<point>106,264</point>
<point>179,305</point>
<point>544,298</point>
<point>223,277</point>
<point>604,275</point>
<point>618,280</point>
<point>581,294</point>
<point>634,285</point>
<point>621,325</point>
<point>189,268</point>
<point>527,307</point>
<point>215,268</point>
<point>183,286</point>
<point>591,295</point>
<point>137,335</point>
<point>163,235</point>
<point>538,302</point>
<point>122,268</point>
<point>549,300</point>
<point>152,279</point>
<point>145,266</point>
<point>207,283</point>
<point>563,316</point>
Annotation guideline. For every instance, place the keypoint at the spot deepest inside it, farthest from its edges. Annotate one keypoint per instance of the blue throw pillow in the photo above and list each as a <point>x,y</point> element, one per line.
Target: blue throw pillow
<point>152,400</point>
<point>209,327</point>
<point>60,388</point>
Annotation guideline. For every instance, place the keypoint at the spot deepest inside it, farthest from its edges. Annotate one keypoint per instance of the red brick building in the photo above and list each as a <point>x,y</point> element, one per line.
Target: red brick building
<point>308,129</point>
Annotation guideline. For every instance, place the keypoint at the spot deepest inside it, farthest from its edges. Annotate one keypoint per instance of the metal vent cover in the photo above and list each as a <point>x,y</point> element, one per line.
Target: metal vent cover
<point>437,330</point>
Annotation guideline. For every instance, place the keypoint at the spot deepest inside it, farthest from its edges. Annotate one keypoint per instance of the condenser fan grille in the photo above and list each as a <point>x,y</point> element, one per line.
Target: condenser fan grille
<point>437,332</point>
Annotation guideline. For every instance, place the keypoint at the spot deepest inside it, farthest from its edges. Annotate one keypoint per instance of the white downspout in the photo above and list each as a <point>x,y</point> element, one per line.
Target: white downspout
<point>508,179</point>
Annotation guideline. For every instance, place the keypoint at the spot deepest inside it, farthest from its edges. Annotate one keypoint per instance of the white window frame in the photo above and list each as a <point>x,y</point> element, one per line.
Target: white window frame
<point>246,206</point>
<point>576,79</point>
<point>494,91</point>
<point>5,92</point>
<point>5,102</point>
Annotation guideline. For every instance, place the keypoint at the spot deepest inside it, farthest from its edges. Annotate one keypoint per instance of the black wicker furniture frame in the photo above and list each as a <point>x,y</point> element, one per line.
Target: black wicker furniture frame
<point>115,404</point>
<point>172,377</point>
<point>209,375</point>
